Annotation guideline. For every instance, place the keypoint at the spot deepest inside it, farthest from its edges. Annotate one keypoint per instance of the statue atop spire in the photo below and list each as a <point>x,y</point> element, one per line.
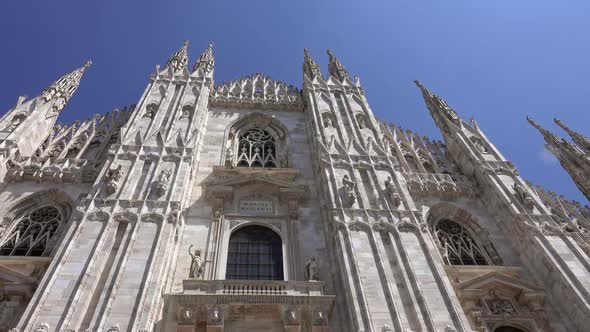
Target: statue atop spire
<point>62,90</point>
<point>580,140</point>
<point>310,67</point>
<point>206,61</point>
<point>336,69</point>
<point>180,59</point>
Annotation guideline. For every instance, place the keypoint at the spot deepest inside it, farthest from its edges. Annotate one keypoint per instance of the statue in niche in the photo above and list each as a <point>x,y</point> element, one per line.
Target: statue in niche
<point>113,176</point>
<point>312,270</point>
<point>187,110</point>
<point>229,158</point>
<point>328,122</point>
<point>361,121</point>
<point>478,144</point>
<point>523,195</point>
<point>348,187</point>
<point>197,263</point>
<point>391,192</point>
<point>16,121</point>
<point>161,184</point>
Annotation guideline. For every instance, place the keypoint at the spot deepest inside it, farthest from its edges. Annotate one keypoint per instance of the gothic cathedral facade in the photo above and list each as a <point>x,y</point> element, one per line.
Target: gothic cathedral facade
<point>253,205</point>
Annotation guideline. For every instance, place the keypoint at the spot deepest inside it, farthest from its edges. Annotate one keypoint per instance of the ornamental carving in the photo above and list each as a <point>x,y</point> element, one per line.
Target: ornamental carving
<point>348,194</point>
<point>113,177</point>
<point>161,184</point>
<point>391,193</point>
<point>197,267</point>
<point>523,195</point>
<point>312,269</point>
<point>257,90</point>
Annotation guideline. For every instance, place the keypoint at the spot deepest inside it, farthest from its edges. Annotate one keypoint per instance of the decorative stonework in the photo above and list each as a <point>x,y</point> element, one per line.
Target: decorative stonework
<point>257,91</point>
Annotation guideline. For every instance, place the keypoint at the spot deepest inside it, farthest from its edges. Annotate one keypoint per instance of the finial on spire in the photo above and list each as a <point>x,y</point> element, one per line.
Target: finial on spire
<point>62,90</point>
<point>206,61</point>
<point>180,58</point>
<point>335,68</point>
<point>549,137</point>
<point>580,140</point>
<point>310,67</point>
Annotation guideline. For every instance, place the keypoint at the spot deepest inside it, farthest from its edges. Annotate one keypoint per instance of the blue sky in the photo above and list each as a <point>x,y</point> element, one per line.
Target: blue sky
<point>495,60</point>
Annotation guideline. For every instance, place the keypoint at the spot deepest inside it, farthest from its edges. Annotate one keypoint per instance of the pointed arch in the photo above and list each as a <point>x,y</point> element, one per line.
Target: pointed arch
<point>257,140</point>
<point>459,237</point>
<point>33,225</point>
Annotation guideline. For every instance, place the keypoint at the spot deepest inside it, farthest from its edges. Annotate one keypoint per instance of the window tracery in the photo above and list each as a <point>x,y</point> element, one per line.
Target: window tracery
<point>457,245</point>
<point>257,148</point>
<point>33,232</point>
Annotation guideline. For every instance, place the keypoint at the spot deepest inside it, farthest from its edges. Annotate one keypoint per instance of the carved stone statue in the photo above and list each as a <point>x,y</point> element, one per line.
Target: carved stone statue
<point>113,176</point>
<point>16,121</point>
<point>386,328</point>
<point>348,188</point>
<point>361,122</point>
<point>392,195</point>
<point>523,195</point>
<point>312,270</point>
<point>229,158</point>
<point>43,327</point>
<point>328,122</point>
<point>161,184</point>
<point>187,111</point>
<point>215,316</point>
<point>478,144</point>
<point>197,264</point>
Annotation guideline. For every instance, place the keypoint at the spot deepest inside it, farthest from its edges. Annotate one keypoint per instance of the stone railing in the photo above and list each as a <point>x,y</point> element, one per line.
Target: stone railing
<point>434,183</point>
<point>51,170</point>
<point>253,287</point>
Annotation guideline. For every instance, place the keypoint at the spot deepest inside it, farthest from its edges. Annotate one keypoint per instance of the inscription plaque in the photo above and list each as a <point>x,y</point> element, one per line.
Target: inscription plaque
<point>251,206</point>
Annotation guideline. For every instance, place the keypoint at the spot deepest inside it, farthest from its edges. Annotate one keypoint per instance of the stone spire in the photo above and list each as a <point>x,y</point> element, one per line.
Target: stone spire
<point>180,59</point>
<point>336,69</point>
<point>582,141</point>
<point>310,67</point>
<point>206,61</point>
<point>551,139</point>
<point>62,90</point>
<point>571,157</point>
<point>436,104</point>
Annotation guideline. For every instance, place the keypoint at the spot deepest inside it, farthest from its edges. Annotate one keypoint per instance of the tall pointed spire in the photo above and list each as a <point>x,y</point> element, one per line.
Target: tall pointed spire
<point>310,67</point>
<point>439,104</point>
<point>551,139</point>
<point>180,59</point>
<point>206,61</point>
<point>336,69</point>
<point>62,90</point>
<point>580,140</point>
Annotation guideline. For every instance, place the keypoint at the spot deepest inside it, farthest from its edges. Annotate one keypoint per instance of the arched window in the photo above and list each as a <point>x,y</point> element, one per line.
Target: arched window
<point>457,245</point>
<point>508,329</point>
<point>257,148</point>
<point>32,233</point>
<point>255,253</point>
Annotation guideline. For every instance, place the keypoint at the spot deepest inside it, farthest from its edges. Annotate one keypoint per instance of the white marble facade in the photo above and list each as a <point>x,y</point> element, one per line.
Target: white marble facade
<point>139,220</point>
